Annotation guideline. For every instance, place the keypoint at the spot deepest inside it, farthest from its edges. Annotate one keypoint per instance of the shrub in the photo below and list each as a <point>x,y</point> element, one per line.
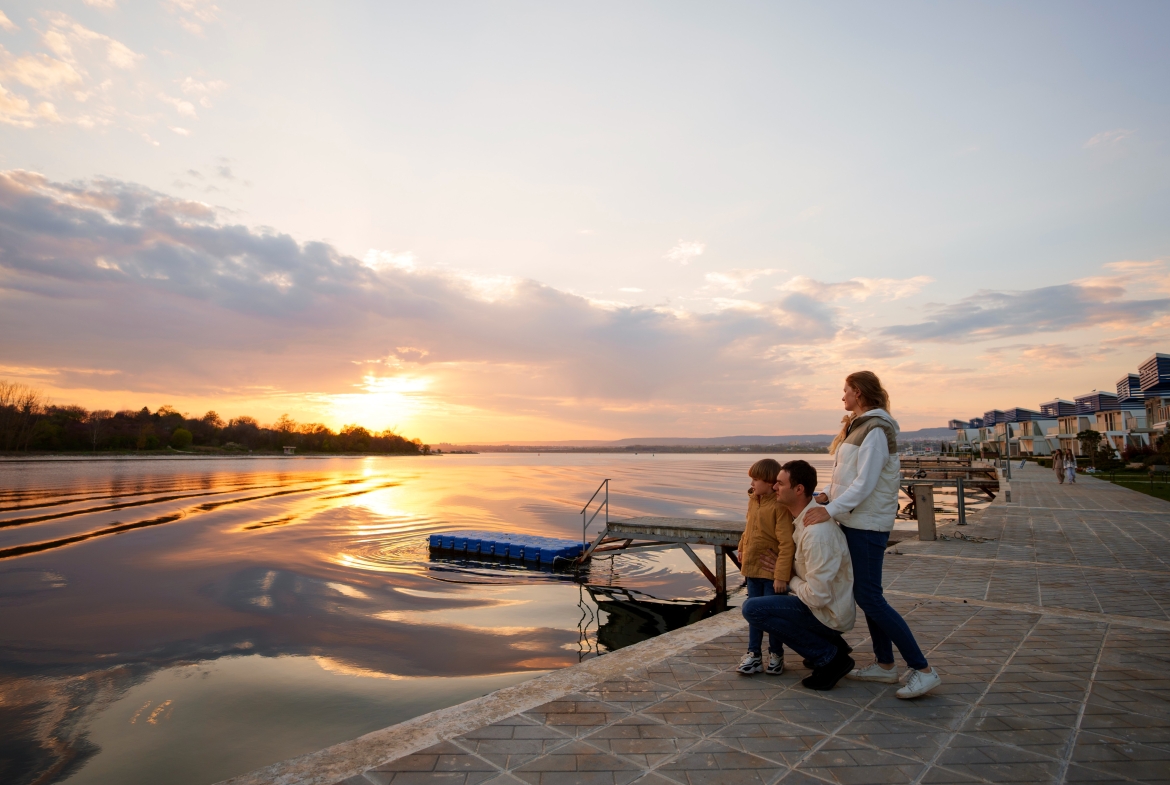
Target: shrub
<point>181,439</point>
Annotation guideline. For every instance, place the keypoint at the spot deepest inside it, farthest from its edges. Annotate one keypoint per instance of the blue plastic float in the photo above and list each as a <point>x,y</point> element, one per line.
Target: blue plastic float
<point>517,547</point>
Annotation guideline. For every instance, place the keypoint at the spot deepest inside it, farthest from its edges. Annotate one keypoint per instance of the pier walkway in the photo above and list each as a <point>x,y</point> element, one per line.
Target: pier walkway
<point>1049,621</point>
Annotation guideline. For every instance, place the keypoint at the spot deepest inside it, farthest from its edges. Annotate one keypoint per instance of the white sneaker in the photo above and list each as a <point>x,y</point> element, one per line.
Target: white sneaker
<point>751,663</point>
<point>874,672</point>
<point>919,683</point>
<point>775,664</point>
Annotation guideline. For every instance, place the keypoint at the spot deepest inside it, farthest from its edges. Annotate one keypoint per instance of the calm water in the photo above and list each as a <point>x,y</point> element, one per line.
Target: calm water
<point>182,621</point>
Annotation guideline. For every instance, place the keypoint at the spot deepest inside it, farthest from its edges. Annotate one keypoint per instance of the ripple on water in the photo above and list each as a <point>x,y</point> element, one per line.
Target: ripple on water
<point>410,553</point>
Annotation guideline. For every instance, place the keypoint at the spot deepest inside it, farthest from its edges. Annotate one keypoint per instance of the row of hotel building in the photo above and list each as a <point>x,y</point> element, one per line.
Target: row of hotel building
<point>1136,416</point>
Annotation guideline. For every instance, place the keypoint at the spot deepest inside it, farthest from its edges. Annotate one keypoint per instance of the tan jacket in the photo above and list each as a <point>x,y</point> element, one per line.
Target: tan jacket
<point>769,528</point>
<point>823,572</point>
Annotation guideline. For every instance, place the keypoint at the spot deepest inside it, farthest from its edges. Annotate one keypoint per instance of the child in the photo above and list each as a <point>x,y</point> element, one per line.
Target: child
<point>769,529</point>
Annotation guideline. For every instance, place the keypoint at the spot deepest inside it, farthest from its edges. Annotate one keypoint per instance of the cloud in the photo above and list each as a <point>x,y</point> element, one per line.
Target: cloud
<point>1108,137</point>
<point>858,289</point>
<point>684,251</point>
<point>1151,275</point>
<point>158,287</point>
<point>185,108</point>
<point>121,55</point>
<point>77,67</point>
<point>379,260</point>
<point>193,14</point>
<point>40,72</point>
<point>18,111</point>
<point>1023,356</point>
<point>117,54</point>
<point>994,314</point>
<point>204,90</point>
<point>112,286</point>
<point>103,4</point>
<point>6,24</point>
<point>180,131</point>
<point>737,281</point>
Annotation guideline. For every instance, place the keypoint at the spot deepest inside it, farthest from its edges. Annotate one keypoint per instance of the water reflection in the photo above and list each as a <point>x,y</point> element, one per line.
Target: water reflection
<point>627,616</point>
<point>186,621</point>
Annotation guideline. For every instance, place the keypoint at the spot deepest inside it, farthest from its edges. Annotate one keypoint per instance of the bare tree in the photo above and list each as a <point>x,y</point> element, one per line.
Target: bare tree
<point>19,407</point>
<point>95,420</point>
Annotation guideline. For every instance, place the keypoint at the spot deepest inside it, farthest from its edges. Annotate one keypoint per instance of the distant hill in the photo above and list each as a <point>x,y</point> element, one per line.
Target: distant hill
<point>932,434</point>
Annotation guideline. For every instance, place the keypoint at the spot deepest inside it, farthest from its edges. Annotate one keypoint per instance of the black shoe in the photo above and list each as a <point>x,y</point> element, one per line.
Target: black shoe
<point>842,645</point>
<point>827,677</point>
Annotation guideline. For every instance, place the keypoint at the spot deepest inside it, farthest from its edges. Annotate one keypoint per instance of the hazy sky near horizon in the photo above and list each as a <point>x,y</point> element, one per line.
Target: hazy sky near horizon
<point>490,221</point>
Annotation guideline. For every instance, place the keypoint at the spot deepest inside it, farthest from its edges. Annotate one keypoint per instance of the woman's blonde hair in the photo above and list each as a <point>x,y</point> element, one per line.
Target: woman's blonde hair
<point>873,396</point>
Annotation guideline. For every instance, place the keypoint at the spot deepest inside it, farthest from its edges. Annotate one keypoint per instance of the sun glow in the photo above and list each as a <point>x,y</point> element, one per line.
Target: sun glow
<point>388,402</point>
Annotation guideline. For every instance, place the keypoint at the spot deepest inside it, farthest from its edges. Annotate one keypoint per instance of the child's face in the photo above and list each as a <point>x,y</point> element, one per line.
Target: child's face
<point>761,487</point>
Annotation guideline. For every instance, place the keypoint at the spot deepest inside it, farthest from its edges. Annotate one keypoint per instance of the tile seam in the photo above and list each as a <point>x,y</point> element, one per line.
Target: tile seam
<point>1102,618</point>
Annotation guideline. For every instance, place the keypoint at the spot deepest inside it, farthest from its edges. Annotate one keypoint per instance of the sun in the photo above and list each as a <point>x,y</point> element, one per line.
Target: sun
<point>387,402</point>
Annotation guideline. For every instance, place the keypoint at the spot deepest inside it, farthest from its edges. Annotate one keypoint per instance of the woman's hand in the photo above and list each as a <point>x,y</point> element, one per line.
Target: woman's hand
<point>768,560</point>
<point>816,515</point>
<point>822,498</point>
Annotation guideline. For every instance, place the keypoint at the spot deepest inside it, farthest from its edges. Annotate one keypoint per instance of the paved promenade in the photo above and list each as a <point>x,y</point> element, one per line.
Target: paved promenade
<point>1050,625</point>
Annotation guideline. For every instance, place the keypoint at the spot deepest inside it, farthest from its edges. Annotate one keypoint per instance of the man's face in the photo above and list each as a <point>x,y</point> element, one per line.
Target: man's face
<point>785,493</point>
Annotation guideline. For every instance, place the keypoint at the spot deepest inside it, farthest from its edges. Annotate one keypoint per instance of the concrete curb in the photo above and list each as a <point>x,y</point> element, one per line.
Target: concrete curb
<point>350,758</point>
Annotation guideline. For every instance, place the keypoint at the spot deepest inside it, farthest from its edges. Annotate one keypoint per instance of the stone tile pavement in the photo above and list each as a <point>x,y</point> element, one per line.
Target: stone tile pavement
<point>1052,637</point>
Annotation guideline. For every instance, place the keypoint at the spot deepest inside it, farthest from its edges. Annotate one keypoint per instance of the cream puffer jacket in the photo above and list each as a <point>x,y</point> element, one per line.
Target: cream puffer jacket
<point>822,573</point>
<point>864,490</point>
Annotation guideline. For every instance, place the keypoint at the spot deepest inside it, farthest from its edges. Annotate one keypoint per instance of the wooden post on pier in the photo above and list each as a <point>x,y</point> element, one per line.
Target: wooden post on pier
<point>720,570</point>
<point>961,498</point>
<point>924,509</point>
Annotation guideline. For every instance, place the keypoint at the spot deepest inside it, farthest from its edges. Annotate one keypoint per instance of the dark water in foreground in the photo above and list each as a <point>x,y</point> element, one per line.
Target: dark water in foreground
<point>185,621</point>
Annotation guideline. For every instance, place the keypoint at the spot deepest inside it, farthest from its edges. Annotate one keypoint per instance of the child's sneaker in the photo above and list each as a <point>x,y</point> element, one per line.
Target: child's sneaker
<point>919,684</point>
<point>874,672</point>
<point>775,664</point>
<point>751,663</point>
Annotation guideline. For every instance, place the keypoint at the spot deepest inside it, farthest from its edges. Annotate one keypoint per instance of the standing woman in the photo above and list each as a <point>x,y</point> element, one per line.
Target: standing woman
<point>1058,466</point>
<point>863,498</point>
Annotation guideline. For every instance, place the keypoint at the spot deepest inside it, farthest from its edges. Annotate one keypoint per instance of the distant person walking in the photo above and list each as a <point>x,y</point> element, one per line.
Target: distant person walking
<point>1070,468</point>
<point>863,498</point>
<point>1058,465</point>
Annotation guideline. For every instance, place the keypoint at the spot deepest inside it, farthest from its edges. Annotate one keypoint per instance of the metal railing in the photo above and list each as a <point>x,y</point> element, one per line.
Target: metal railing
<point>602,503</point>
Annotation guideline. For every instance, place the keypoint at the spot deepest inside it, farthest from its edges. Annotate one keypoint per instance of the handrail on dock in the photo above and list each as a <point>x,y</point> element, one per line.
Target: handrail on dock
<point>602,504</point>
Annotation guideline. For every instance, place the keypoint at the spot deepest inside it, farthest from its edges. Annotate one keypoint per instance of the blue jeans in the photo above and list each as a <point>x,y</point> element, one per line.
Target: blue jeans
<point>789,621</point>
<point>761,587</point>
<point>867,549</point>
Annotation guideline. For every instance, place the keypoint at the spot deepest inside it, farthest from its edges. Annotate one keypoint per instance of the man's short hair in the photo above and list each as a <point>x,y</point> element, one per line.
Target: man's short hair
<point>766,469</point>
<point>801,473</point>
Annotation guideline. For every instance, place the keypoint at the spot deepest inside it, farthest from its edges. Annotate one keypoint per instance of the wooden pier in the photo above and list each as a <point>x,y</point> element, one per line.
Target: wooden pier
<point>657,534</point>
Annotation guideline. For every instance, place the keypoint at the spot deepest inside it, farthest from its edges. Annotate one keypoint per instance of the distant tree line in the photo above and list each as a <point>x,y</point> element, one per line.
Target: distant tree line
<point>787,447</point>
<point>29,422</point>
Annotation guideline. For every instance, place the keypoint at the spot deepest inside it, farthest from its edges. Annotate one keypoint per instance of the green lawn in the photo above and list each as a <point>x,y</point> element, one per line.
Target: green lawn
<point>1140,482</point>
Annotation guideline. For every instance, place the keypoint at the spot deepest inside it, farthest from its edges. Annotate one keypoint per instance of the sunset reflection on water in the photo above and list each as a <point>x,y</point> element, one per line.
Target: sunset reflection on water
<point>258,609</point>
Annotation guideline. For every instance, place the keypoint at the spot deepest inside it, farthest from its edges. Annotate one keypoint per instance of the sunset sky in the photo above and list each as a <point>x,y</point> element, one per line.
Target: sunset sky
<point>539,221</point>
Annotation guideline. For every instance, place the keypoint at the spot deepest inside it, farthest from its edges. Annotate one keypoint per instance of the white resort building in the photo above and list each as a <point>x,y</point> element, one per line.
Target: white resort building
<point>1137,415</point>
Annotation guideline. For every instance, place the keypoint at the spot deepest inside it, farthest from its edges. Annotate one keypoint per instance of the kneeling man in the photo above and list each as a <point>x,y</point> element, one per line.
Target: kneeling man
<point>819,604</point>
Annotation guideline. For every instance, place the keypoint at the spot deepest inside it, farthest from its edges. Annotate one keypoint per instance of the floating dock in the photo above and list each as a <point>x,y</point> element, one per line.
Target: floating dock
<point>501,545</point>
